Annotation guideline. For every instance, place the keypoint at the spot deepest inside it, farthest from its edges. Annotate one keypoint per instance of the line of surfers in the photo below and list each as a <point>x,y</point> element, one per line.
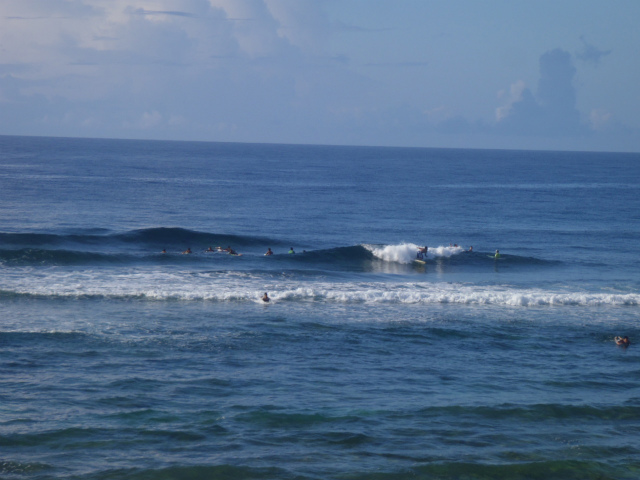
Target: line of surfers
<point>229,250</point>
<point>422,251</point>
<point>421,255</point>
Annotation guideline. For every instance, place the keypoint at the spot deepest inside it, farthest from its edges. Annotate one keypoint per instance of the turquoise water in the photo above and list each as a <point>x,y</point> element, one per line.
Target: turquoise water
<point>119,361</point>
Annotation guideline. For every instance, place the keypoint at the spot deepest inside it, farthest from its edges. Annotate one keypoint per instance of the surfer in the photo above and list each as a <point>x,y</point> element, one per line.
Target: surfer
<point>623,341</point>
<point>269,252</point>
<point>422,252</point>
<point>497,255</point>
<point>291,250</point>
<point>471,249</point>
<point>210,249</point>
<point>187,251</point>
<point>265,298</point>
<point>229,250</point>
<point>164,250</point>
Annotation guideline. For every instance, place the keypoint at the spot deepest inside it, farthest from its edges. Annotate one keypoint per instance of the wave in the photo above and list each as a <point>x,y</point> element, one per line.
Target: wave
<point>220,286</point>
<point>423,467</point>
<point>156,238</point>
<point>30,256</point>
<point>405,253</point>
<point>145,245</point>
<point>344,257</point>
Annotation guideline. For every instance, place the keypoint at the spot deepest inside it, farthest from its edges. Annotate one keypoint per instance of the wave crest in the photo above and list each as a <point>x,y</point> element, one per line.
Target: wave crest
<point>147,237</point>
<point>406,252</point>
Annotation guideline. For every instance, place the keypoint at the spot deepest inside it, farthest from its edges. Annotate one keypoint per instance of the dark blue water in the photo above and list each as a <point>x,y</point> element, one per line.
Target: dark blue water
<point>119,361</point>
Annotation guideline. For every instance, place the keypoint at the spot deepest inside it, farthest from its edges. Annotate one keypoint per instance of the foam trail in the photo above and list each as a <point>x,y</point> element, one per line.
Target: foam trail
<point>406,252</point>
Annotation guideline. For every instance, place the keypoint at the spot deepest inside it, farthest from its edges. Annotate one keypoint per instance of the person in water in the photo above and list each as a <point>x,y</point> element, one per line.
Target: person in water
<point>422,253</point>
<point>623,341</point>
<point>232,251</point>
<point>210,249</point>
<point>164,250</point>
<point>497,255</point>
<point>291,250</point>
<point>265,298</point>
<point>187,251</point>
<point>471,249</point>
<point>269,252</point>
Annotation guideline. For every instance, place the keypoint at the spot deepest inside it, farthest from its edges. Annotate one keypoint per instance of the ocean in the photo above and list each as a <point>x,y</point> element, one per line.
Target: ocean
<point>119,361</point>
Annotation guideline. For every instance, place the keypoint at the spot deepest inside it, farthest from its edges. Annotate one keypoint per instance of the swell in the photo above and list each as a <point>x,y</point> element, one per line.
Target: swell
<point>35,257</point>
<point>454,415</point>
<point>145,245</point>
<point>427,468</point>
<point>157,238</point>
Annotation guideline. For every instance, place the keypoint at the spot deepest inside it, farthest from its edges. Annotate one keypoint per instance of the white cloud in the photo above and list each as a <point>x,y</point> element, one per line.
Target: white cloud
<point>302,22</point>
<point>253,26</point>
<point>513,96</point>
<point>147,121</point>
<point>599,119</point>
<point>254,70</point>
<point>150,119</point>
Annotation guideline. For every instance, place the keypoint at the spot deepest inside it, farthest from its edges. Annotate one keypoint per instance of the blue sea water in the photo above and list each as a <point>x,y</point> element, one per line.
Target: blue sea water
<point>119,361</point>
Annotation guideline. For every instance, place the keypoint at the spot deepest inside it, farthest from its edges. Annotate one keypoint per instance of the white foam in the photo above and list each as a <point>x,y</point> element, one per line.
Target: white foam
<point>190,286</point>
<point>406,252</point>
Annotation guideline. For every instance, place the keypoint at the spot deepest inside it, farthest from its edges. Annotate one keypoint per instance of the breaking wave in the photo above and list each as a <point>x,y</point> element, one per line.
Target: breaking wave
<point>145,246</point>
<point>233,286</point>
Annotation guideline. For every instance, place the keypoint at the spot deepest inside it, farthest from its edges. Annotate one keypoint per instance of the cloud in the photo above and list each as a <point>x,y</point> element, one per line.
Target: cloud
<point>303,23</point>
<point>142,11</point>
<point>255,70</point>
<point>514,96</point>
<point>397,64</point>
<point>591,54</point>
<point>552,110</point>
<point>600,119</point>
<point>147,120</point>
<point>170,68</point>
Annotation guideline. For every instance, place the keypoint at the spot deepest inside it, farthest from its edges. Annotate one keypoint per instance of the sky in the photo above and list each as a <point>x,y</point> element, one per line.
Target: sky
<point>504,74</point>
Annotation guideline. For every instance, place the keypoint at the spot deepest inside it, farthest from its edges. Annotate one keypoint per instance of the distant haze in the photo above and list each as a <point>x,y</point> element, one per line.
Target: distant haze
<point>530,74</point>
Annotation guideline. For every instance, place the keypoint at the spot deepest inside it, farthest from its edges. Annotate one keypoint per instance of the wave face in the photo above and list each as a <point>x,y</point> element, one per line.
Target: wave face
<point>146,246</point>
<point>156,238</point>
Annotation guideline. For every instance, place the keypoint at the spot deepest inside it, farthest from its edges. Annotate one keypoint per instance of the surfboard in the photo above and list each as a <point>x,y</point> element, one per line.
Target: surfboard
<point>421,262</point>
